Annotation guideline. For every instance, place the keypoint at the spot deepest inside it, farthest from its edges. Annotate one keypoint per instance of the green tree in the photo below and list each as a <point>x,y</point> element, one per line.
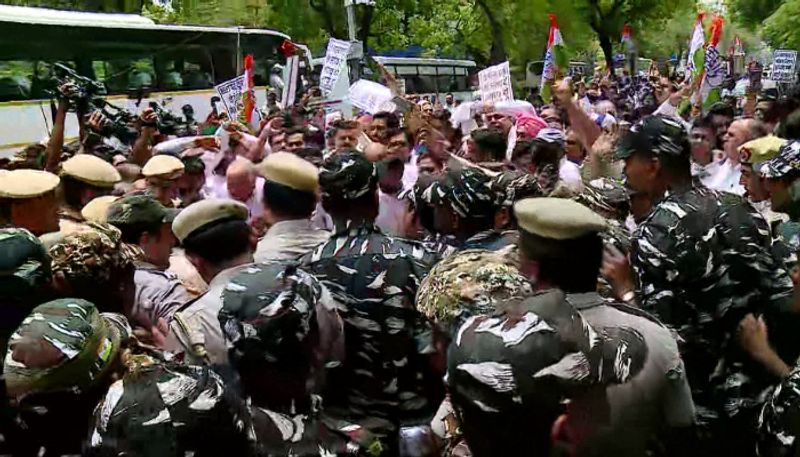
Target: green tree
<point>752,13</point>
<point>780,28</point>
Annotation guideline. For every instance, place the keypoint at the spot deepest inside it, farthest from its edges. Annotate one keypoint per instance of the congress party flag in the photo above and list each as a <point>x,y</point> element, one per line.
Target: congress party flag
<point>714,70</point>
<point>555,58</point>
<point>697,55</point>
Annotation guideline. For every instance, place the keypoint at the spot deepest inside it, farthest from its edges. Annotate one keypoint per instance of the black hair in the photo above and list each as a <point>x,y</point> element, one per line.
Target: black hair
<point>344,124</point>
<point>131,233</point>
<point>220,241</point>
<point>339,207</point>
<point>522,148</point>
<point>288,202</point>
<point>73,188</point>
<point>392,121</point>
<point>295,130</point>
<point>721,109</point>
<point>393,132</point>
<point>546,152</point>
<point>492,142</point>
<point>558,268</point>
<point>790,127</point>
<point>310,154</point>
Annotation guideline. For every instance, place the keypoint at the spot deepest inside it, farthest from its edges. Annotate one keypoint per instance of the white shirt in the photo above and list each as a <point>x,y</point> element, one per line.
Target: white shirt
<point>570,174</point>
<point>391,211</point>
<point>726,178</point>
<point>217,187</point>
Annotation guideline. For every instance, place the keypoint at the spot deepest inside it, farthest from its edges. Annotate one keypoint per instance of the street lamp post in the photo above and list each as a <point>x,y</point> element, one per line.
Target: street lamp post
<point>356,46</point>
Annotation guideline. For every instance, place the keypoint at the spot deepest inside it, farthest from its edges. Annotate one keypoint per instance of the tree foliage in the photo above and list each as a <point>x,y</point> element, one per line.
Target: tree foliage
<point>488,31</point>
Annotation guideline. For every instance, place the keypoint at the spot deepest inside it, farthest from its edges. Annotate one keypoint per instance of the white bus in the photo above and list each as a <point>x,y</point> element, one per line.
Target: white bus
<point>130,55</point>
<point>433,76</point>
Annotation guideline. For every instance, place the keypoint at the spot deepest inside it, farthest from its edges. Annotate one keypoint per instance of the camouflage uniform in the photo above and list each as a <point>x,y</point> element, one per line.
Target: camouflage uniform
<point>702,261</point>
<point>611,200</point>
<point>56,396</point>
<point>466,284</point>
<point>778,423</point>
<point>280,319</point>
<point>158,293</point>
<point>374,278</point>
<point>25,275</point>
<point>510,370</point>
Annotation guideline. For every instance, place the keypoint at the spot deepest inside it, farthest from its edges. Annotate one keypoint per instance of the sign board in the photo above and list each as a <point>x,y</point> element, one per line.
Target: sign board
<point>495,84</point>
<point>335,61</point>
<point>369,96</point>
<point>231,94</point>
<point>784,65</point>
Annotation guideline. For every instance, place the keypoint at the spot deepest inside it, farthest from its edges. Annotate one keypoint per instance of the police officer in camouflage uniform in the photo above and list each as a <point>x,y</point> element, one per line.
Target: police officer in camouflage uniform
<point>143,221</point>
<point>386,377</point>
<point>95,264</point>
<point>778,423</point>
<point>508,188</point>
<point>24,283</point>
<point>66,357</point>
<point>702,261</point>
<point>284,330</point>
<point>463,203</point>
<point>651,412</point>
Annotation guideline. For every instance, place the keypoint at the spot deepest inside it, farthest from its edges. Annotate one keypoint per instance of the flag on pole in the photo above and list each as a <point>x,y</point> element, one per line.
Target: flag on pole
<point>554,59</point>
<point>714,70</point>
<point>248,95</point>
<point>696,60</point>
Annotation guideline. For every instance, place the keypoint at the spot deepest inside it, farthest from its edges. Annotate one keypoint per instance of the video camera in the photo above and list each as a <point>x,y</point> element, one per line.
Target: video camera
<point>79,90</point>
<point>169,123</point>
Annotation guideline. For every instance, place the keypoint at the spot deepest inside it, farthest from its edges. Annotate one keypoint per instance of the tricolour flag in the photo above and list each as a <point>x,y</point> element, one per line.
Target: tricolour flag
<point>714,69</point>
<point>626,35</point>
<point>696,60</point>
<point>555,59</point>
<point>246,116</point>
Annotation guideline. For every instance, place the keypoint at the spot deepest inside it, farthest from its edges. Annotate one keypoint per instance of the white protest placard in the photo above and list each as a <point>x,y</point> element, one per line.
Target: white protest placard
<point>335,61</point>
<point>369,96</point>
<point>231,94</point>
<point>495,83</point>
<point>784,65</point>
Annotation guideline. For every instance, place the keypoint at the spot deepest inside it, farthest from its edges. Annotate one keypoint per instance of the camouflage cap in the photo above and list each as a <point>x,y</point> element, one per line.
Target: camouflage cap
<point>268,312</point>
<point>347,175</point>
<point>86,341</point>
<point>469,283</point>
<point>92,256</point>
<point>607,197</point>
<point>466,190</point>
<point>24,263</point>
<point>658,135</point>
<point>787,160</point>
<point>511,186</point>
<point>139,210</point>
<point>533,352</point>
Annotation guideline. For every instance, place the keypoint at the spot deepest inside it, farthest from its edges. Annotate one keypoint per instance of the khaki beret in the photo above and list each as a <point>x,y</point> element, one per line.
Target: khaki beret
<point>760,150</point>
<point>27,183</point>
<point>291,171</point>
<point>91,170</point>
<point>97,209</point>
<point>163,167</point>
<point>557,218</point>
<point>204,212</point>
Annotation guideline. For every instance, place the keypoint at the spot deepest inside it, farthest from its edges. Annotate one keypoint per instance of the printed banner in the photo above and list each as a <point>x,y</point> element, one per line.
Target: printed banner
<point>231,94</point>
<point>784,66</point>
<point>335,61</point>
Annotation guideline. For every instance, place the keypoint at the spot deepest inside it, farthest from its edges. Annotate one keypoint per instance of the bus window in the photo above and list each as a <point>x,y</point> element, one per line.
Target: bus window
<point>16,80</point>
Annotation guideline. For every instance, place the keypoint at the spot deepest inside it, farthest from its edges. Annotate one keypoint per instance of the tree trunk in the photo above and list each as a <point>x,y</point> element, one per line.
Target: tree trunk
<point>366,23</point>
<point>608,49</point>
<point>498,53</point>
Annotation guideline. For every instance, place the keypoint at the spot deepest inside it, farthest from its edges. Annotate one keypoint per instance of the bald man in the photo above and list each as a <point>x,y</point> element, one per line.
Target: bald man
<point>244,185</point>
<point>729,173</point>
